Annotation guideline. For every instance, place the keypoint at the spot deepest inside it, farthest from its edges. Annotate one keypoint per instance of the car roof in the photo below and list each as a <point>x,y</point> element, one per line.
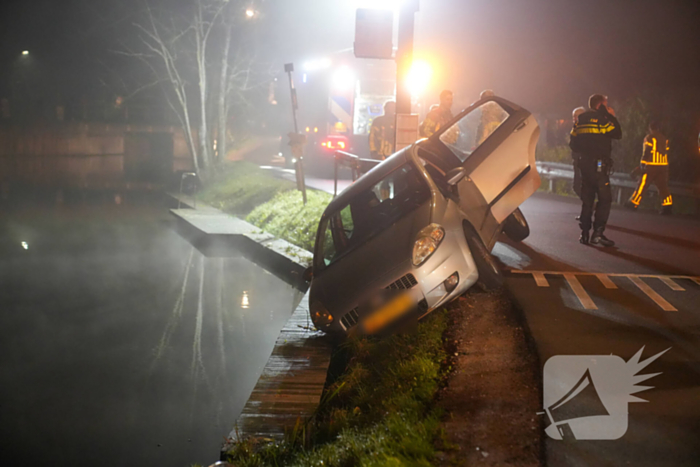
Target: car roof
<point>368,180</point>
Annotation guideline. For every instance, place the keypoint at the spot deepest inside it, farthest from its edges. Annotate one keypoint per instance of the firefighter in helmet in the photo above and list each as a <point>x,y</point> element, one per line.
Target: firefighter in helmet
<point>382,133</point>
<point>438,118</point>
<point>492,115</point>
<point>654,169</point>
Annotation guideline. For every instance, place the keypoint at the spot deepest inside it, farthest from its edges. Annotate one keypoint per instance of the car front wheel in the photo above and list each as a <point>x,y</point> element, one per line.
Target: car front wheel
<point>490,275</point>
<point>516,227</point>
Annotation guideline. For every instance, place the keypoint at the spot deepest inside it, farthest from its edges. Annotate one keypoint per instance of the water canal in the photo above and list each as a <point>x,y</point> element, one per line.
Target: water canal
<point>120,343</point>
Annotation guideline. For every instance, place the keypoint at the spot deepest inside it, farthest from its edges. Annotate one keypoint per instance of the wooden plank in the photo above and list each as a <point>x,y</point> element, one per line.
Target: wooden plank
<point>292,382</point>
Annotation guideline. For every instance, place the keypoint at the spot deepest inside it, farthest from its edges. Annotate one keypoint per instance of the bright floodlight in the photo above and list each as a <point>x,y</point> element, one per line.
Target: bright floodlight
<point>25,52</point>
<point>343,79</point>
<point>319,64</point>
<point>419,77</point>
<point>250,12</point>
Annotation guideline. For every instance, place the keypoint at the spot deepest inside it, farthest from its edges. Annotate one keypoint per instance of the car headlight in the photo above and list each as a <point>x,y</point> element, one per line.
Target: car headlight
<point>321,317</point>
<point>428,241</point>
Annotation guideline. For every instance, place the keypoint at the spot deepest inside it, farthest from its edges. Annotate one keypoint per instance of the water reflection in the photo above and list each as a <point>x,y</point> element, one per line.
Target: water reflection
<point>124,345</point>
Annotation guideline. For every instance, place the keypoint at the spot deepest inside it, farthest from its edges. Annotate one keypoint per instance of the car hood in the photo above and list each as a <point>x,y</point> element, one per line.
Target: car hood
<point>371,266</point>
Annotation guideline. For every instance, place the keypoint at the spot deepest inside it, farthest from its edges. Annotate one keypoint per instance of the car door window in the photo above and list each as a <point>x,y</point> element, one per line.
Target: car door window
<point>473,129</point>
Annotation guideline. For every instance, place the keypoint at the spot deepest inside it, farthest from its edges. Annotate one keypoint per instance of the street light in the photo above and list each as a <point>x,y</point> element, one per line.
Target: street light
<point>25,52</point>
<point>250,13</point>
<point>419,77</point>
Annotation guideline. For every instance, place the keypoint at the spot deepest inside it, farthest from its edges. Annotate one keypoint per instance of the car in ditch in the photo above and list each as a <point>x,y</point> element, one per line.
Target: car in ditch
<point>417,230</point>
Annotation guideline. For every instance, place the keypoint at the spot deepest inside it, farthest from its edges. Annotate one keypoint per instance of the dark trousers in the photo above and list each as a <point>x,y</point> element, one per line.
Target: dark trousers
<point>577,174</point>
<point>594,184</point>
<point>657,175</point>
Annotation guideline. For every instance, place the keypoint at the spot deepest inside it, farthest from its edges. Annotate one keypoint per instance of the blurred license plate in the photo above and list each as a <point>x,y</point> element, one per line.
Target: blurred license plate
<point>388,313</point>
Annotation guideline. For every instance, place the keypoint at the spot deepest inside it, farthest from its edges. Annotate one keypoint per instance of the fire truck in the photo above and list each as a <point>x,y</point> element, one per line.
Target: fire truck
<point>339,97</point>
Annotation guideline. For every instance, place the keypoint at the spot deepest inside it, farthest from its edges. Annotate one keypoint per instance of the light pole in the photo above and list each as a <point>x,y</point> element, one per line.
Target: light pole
<point>404,54</point>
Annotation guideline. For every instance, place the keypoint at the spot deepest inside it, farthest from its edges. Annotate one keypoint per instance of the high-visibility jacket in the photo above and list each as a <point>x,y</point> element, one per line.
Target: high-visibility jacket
<point>434,121</point>
<point>382,134</point>
<point>655,150</point>
<point>593,133</point>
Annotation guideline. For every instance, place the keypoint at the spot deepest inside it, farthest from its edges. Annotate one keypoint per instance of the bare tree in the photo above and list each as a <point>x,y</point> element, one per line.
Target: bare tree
<point>182,45</point>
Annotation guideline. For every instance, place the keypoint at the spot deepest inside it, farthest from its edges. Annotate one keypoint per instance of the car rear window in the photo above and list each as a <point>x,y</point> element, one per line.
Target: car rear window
<point>369,213</point>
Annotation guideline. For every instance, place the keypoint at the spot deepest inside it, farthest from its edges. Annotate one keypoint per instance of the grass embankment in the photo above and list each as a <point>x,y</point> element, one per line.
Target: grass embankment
<point>240,187</point>
<point>379,411</point>
<point>272,204</point>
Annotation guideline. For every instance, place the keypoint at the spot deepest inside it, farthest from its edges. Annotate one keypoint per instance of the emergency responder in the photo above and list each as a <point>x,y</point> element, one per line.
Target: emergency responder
<point>437,118</point>
<point>576,156</point>
<point>382,133</point>
<point>492,115</point>
<point>654,169</point>
<point>592,137</point>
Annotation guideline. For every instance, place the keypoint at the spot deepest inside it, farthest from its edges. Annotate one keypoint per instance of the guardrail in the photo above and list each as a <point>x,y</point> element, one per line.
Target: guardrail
<point>620,182</point>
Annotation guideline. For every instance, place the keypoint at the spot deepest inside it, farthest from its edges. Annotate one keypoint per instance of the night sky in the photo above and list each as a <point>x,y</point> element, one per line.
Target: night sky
<point>547,55</point>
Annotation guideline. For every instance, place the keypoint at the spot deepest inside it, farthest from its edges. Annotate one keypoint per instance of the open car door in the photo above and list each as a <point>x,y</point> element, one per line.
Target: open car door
<point>494,140</point>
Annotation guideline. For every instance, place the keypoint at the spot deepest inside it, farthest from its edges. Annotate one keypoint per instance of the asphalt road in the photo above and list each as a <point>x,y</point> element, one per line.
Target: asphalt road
<point>586,304</point>
<point>589,301</point>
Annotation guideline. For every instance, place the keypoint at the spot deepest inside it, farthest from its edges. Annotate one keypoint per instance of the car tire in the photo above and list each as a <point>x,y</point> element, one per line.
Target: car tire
<point>516,227</point>
<point>490,275</point>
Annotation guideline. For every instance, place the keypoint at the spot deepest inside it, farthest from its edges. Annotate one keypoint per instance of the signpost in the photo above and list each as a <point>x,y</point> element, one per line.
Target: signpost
<point>296,139</point>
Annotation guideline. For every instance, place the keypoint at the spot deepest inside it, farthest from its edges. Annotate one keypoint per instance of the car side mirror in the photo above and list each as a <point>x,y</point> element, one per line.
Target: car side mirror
<point>455,175</point>
<point>308,274</point>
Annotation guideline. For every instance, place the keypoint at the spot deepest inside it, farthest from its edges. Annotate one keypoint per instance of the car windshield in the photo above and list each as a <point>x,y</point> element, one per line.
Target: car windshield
<point>370,212</point>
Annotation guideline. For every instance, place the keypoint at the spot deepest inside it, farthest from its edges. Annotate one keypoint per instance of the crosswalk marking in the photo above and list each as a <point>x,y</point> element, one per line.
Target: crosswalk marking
<point>580,292</point>
<point>605,279</point>
<point>607,282</point>
<point>651,293</point>
<point>673,286</point>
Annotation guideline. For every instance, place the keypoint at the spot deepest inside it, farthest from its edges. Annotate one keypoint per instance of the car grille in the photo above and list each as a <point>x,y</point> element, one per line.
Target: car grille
<point>406,282</point>
<point>350,319</point>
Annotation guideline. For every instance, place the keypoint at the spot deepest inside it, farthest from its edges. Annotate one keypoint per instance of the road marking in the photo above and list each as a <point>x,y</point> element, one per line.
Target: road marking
<point>669,282</point>
<point>580,292</point>
<point>605,279</point>
<point>607,282</point>
<point>540,279</point>
<point>651,293</point>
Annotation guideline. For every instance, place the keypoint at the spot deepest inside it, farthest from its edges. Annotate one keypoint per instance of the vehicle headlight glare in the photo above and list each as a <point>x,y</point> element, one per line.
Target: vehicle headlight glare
<point>320,316</point>
<point>428,241</point>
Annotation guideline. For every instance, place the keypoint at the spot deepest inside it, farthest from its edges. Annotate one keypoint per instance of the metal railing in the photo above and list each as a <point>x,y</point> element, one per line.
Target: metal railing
<point>194,191</point>
<point>357,165</point>
<point>619,181</point>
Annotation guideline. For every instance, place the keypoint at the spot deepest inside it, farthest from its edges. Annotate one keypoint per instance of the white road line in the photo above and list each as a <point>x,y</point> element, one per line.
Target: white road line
<point>540,279</point>
<point>580,292</point>
<point>607,282</point>
<point>669,282</point>
<point>651,293</point>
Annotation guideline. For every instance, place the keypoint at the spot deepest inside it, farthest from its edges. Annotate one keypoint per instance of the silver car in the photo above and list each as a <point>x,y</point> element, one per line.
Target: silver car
<point>417,230</point>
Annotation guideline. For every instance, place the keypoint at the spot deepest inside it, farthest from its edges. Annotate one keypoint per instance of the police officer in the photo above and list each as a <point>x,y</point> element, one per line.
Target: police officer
<point>654,169</point>
<point>492,115</point>
<point>382,133</point>
<point>592,137</point>
<point>437,118</point>
<point>576,156</point>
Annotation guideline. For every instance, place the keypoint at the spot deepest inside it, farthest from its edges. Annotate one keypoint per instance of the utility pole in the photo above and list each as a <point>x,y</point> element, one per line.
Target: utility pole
<point>296,140</point>
<point>404,57</point>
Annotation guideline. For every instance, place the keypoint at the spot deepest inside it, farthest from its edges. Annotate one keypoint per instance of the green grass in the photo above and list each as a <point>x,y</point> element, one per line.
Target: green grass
<point>240,187</point>
<point>286,216</point>
<point>379,411</point>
